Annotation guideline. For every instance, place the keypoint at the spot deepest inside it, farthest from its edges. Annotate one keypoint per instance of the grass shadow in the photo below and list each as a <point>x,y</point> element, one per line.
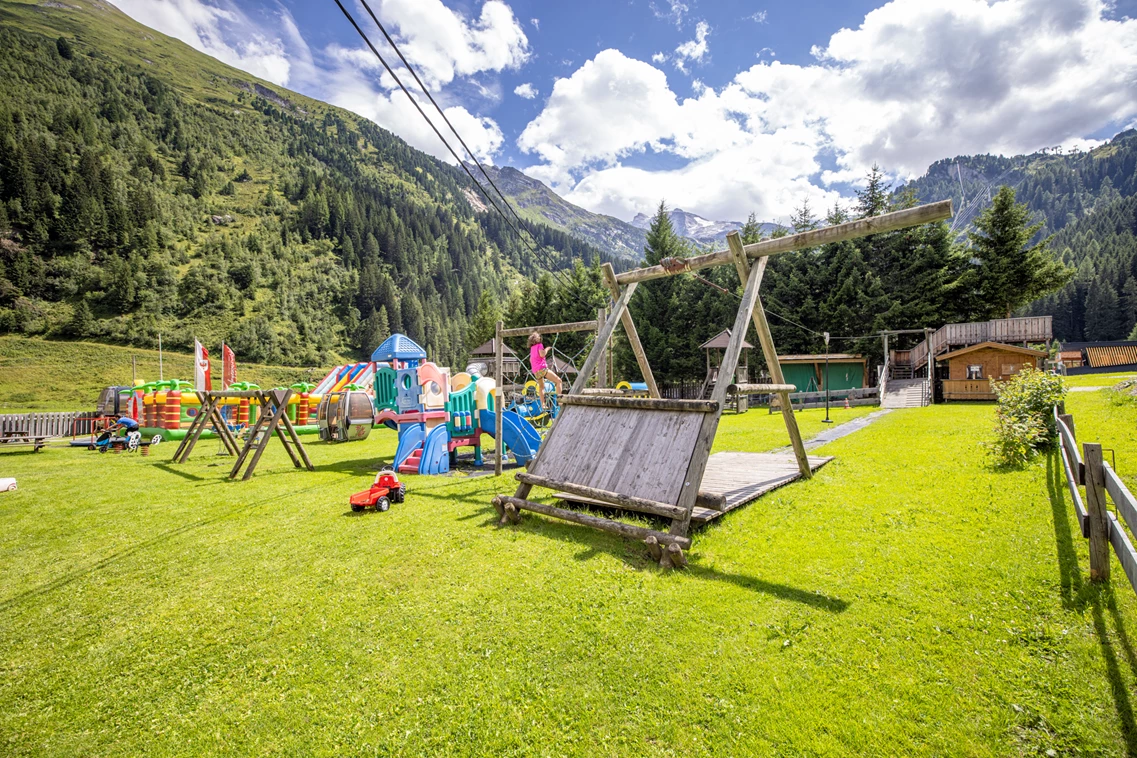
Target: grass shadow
<point>179,472</point>
<point>594,543</point>
<point>1078,593</point>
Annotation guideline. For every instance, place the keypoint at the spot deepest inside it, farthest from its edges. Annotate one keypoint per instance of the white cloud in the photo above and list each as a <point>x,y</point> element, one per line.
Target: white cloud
<point>526,90</point>
<point>443,44</point>
<point>220,30</point>
<point>659,58</point>
<point>536,23</point>
<point>919,80</point>
<point>693,50</point>
<point>758,18</point>
<point>674,11</point>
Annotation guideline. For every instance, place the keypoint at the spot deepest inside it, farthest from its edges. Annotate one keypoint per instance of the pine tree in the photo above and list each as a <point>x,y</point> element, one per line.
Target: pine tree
<point>483,324</point>
<point>1103,318</point>
<point>751,231</point>
<point>653,305</point>
<point>873,199</point>
<point>1011,273</point>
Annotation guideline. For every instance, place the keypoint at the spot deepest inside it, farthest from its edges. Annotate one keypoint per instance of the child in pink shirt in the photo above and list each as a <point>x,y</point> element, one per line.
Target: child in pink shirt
<point>540,367</point>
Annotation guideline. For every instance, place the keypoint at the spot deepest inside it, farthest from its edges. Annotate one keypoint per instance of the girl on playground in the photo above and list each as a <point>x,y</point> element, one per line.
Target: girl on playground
<point>540,367</point>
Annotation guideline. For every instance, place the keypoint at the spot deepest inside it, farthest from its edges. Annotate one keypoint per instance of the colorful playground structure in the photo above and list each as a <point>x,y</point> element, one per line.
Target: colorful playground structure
<point>436,414</point>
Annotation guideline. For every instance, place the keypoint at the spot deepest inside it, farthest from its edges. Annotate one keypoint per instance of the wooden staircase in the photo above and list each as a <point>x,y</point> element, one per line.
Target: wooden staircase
<point>905,393</point>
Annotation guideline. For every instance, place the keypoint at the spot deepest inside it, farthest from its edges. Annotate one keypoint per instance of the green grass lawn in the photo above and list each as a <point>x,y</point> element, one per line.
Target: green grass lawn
<point>906,601</point>
<point>1098,380</point>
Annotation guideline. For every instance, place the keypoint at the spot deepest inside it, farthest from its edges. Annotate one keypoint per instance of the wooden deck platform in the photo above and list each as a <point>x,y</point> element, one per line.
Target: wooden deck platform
<point>739,477</point>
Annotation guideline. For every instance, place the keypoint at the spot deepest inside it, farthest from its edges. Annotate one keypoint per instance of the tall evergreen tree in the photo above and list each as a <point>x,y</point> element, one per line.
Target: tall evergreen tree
<point>1009,271</point>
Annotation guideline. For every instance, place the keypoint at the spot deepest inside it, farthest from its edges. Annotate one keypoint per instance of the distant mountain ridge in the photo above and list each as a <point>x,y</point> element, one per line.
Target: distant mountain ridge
<point>535,201</point>
<point>699,229</point>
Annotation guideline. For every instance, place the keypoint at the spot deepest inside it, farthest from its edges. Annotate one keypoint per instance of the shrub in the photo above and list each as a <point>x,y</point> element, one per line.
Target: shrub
<point>1024,418</point>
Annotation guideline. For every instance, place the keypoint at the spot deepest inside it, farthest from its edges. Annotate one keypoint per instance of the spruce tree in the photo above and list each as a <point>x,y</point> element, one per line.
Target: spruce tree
<point>1103,317</point>
<point>483,324</point>
<point>1010,272</point>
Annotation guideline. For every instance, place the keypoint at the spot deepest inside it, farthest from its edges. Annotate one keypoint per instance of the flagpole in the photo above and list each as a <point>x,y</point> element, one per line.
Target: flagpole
<point>160,377</point>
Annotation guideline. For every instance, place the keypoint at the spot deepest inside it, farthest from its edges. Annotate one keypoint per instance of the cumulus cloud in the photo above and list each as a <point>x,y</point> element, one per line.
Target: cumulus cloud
<point>659,58</point>
<point>693,50</point>
<point>443,44</point>
<point>918,80</point>
<point>526,90</point>
<point>219,29</point>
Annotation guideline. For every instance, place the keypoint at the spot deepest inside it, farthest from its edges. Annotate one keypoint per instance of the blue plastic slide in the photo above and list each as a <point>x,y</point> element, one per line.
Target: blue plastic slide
<point>518,435</point>
<point>436,451</point>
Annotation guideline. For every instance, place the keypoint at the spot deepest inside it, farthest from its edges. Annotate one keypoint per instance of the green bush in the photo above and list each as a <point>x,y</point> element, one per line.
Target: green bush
<point>1024,419</point>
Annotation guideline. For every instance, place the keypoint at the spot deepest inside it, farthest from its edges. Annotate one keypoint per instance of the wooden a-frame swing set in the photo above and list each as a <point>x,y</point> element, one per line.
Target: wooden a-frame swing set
<point>649,454</point>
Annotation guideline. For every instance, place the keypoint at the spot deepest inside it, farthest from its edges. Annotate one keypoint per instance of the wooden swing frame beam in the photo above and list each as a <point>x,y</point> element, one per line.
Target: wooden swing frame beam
<point>258,434</point>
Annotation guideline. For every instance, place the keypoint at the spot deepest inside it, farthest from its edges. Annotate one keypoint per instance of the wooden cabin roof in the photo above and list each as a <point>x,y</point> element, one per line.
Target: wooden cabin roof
<point>1001,346</point>
<point>720,340</point>
<point>488,349</point>
<point>1112,355</point>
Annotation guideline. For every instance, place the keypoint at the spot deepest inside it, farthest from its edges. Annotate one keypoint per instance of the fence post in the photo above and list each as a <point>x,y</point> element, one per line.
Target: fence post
<point>1099,518</point>
<point>1068,420</point>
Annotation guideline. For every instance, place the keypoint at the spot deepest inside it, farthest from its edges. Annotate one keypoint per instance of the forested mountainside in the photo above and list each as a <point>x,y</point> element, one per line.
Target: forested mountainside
<point>146,188</point>
<point>536,202</point>
<point>1085,199</point>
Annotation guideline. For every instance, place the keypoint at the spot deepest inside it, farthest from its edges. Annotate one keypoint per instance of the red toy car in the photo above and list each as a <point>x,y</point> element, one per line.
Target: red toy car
<point>387,489</point>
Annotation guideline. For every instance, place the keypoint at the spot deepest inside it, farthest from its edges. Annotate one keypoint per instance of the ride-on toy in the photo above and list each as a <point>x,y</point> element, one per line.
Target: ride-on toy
<point>386,490</point>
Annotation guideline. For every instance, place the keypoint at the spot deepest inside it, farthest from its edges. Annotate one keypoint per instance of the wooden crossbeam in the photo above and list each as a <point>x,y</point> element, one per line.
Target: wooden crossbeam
<point>615,499</point>
<point>888,222</point>
<point>641,403</point>
<point>575,326</point>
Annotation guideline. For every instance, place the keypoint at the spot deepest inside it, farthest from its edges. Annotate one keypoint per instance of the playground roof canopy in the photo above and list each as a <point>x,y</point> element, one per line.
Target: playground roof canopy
<point>398,347</point>
<point>720,341</point>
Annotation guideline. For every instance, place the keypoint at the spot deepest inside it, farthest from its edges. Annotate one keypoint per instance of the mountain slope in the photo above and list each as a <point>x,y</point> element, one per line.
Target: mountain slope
<point>148,189</point>
<point>1088,201</point>
<point>536,202</point>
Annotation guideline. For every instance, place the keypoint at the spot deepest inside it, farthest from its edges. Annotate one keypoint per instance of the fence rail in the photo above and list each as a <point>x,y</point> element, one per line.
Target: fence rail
<point>37,428</point>
<point>1101,527</point>
<point>1026,329</point>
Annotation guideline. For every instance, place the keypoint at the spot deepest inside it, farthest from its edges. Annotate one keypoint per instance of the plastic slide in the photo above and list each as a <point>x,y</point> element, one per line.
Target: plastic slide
<point>518,435</point>
<point>411,437</point>
<point>436,451</point>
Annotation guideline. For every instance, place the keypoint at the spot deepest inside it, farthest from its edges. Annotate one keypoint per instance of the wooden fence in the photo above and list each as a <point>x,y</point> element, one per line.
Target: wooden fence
<point>1101,527</point>
<point>37,428</point>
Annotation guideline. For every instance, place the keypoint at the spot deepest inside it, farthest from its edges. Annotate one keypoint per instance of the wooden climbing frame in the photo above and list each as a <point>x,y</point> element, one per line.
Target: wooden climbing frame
<point>272,419</point>
<point>648,454</point>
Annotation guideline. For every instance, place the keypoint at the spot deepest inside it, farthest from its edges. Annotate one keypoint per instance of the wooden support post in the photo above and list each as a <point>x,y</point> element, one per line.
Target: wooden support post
<point>675,556</point>
<point>602,366</point>
<point>653,548</point>
<point>1099,517</point>
<point>499,446</point>
<point>630,332</point>
<point>766,340</point>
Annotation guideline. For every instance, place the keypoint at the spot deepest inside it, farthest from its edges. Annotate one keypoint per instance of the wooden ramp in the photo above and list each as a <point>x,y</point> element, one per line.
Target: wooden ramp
<point>743,477</point>
<point>736,478</point>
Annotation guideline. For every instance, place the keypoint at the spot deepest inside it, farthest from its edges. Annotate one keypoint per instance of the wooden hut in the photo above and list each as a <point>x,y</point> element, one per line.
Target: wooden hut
<point>807,372</point>
<point>971,369</point>
<point>715,348</point>
<point>486,353</point>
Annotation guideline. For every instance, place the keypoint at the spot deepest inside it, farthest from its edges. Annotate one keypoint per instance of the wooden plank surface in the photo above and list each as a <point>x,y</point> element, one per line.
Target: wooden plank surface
<point>641,453</point>
<point>740,478</point>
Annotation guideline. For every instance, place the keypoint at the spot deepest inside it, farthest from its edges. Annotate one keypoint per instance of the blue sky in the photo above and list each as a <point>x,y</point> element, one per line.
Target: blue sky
<point>722,108</point>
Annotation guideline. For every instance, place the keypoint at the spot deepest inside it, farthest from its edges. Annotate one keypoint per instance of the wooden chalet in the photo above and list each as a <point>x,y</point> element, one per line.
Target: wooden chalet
<point>715,348</point>
<point>971,370</point>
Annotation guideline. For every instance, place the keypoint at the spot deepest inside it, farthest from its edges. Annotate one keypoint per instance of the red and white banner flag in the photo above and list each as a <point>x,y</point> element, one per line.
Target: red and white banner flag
<point>228,367</point>
<point>201,379</point>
